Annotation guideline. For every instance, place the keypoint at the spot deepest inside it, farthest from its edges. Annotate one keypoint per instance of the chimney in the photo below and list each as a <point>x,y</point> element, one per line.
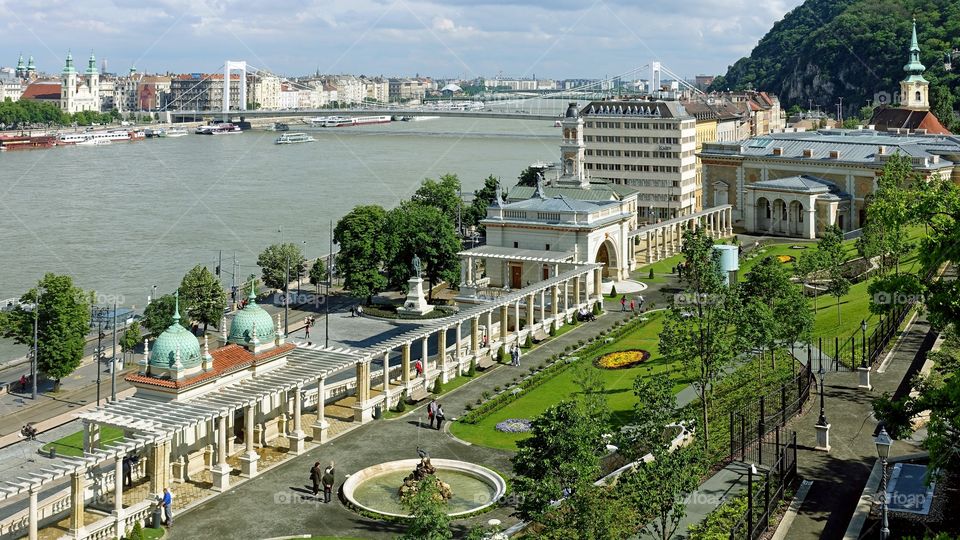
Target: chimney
<point>882,151</point>
<point>778,151</point>
<point>834,154</point>
<point>807,152</point>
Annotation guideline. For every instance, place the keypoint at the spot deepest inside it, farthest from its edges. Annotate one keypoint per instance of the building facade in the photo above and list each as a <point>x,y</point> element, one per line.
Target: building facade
<point>203,91</point>
<point>78,94</point>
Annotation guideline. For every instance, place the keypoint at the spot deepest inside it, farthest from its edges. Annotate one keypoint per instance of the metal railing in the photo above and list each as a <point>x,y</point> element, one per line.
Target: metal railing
<point>765,493</point>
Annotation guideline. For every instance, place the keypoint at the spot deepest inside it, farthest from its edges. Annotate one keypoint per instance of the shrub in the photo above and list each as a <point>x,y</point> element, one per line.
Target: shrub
<point>528,342</point>
<point>568,348</point>
<point>136,533</point>
<point>401,403</point>
<point>650,275</point>
<point>437,386</point>
<point>580,343</point>
<point>504,356</point>
<point>553,330</point>
<point>485,394</point>
<point>531,369</point>
<point>613,291</point>
<point>721,521</point>
<point>479,401</point>
<point>496,389</point>
<point>472,370</point>
<point>596,308</point>
<point>468,407</point>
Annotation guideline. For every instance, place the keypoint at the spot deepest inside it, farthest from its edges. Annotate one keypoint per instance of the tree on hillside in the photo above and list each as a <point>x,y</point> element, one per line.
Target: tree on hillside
<point>561,453</point>
<point>697,331</point>
<point>415,229</point>
<point>361,237</point>
<point>444,195</point>
<point>158,314</point>
<point>589,512</point>
<point>428,511</point>
<point>280,261</point>
<point>203,293</point>
<point>654,409</point>
<point>130,338</point>
<point>888,213</point>
<point>63,321</point>
<point>482,199</point>
<point>941,105</point>
<point>318,273</point>
<point>834,256</point>
<point>937,205</point>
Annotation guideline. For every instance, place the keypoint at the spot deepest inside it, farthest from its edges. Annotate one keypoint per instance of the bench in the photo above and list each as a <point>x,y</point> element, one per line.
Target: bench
<point>486,361</point>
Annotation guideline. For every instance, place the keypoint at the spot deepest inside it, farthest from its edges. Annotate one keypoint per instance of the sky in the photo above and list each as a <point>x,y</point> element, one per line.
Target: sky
<point>444,38</point>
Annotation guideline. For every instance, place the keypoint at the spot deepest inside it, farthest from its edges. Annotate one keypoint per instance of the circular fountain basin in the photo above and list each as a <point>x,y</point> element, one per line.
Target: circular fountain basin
<point>374,489</point>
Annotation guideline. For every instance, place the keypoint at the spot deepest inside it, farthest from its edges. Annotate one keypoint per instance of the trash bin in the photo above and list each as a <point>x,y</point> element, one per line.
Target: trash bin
<point>53,452</point>
<point>157,518</point>
<point>378,411</point>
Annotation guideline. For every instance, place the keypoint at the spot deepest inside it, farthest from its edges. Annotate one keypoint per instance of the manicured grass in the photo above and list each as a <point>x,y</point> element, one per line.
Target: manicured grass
<point>773,250</point>
<point>618,383</point>
<point>72,445</point>
<point>153,534</point>
<point>659,269</point>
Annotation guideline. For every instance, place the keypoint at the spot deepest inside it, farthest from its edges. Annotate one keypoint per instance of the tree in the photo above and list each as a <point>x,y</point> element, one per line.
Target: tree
<point>654,409</point>
<point>528,177</point>
<point>888,212</point>
<point>428,511</point>
<point>809,263</point>
<point>941,105</point>
<point>590,511</point>
<point>834,256</point>
<point>416,229</point>
<point>130,338</point>
<point>482,199</point>
<point>444,195</point>
<point>203,293</point>
<point>158,314</point>
<point>63,321</point>
<point>361,237</point>
<point>318,273</point>
<point>696,331</point>
<point>279,262</point>
<point>657,489</point>
<point>560,455</point>
<point>592,396</point>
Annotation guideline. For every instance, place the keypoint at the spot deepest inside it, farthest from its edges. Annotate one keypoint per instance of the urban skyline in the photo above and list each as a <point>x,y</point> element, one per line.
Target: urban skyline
<point>449,40</point>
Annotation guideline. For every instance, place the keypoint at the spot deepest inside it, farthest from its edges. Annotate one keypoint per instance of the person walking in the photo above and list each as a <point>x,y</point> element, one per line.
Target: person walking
<point>167,502</point>
<point>623,303</point>
<point>440,416</point>
<point>329,478</point>
<point>306,327</point>
<point>513,355</point>
<point>633,308</point>
<point>418,366</point>
<point>640,302</point>
<point>518,355</point>
<point>432,411</point>
<point>315,478</point>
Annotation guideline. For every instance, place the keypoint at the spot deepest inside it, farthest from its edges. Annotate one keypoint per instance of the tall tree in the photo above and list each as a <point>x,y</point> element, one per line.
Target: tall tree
<point>203,293</point>
<point>416,229</point>
<point>888,212</point>
<point>361,237</point>
<point>444,195</point>
<point>130,338</point>
<point>158,314</point>
<point>428,510</point>
<point>482,199</point>
<point>280,261</point>
<point>318,273</point>
<point>941,105</point>
<point>597,512</point>
<point>528,177</point>
<point>63,321</point>
<point>592,395</point>
<point>697,332</point>
<point>654,409</point>
<point>657,489</point>
<point>834,255</point>
<point>561,454</point>
<point>809,264</point>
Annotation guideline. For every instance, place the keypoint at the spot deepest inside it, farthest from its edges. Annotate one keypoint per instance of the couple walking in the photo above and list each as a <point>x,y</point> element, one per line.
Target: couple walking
<point>515,355</point>
<point>435,412</point>
<point>326,477</point>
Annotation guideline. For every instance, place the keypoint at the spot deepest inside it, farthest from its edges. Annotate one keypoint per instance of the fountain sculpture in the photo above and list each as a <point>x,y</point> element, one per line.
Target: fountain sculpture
<point>424,470</point>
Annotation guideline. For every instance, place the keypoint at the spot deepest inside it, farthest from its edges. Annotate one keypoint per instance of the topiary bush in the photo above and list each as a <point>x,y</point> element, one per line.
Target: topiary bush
<point>613,291</point>
<point>437,386</point>
<point>553,331</point>
<point>472,370</point>
<point>401,403</point>
<point>650,275</point>
<point>504,356</point>
<point>596,308</point>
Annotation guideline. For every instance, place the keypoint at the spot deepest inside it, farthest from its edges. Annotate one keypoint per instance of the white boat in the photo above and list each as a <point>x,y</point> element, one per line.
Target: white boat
<point>294,138</point>
<point>219,129</point>
<point>174,132</point>
<point>112,135</point>
<point>343,121</point>
<point>318,121</point>
<point>94,142</point>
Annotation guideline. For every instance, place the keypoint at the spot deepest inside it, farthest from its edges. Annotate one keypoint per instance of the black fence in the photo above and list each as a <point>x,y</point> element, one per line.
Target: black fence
<point>767,487</point>
<point>751,426</point>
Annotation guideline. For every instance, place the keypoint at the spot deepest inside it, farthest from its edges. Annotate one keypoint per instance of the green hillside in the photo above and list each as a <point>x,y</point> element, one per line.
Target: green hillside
<point>855,49</point>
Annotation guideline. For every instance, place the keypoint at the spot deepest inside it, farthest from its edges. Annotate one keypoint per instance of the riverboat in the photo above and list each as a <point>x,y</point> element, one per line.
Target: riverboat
<point>345,121</point>
<point>219,129</point>
<point>294,138</point>
<point>24,142</point>
<point>95,142</point>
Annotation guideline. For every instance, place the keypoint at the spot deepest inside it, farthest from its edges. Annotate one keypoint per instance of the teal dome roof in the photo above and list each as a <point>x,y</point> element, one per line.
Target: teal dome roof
<point>164,353</point>
<point>241,329</point>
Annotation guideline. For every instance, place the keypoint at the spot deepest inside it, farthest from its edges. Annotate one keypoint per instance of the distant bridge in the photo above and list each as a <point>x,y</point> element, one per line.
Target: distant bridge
<point>187,116</point>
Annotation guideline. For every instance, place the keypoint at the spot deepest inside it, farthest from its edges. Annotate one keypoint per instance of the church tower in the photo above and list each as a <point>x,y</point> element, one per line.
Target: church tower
<point>31,69</point>
<point>21,68</point>
<point>572,150</point>
<point>914,89</point>
<point>68,88</point>
<point>93,81</point>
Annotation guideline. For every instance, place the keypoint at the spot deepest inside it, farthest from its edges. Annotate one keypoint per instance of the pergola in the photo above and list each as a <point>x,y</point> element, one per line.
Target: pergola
<point>664,239</point>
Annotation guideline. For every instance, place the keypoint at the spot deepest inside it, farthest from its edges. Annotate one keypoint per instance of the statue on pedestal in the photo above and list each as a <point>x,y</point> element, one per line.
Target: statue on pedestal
<point>423,471</point>
<point>416,266</point>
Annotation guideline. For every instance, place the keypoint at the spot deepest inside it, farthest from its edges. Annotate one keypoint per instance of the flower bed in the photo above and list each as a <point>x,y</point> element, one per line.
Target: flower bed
<point>514,425</point>
<point>786,258</point>
<point>621,359</point>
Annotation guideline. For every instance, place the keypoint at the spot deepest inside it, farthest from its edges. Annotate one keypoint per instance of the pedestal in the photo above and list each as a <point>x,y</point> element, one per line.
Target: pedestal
<point>363,413</point>
<point>248,464</point>
<point>221,476</point>
<point>298,442</point>
<point>320,432</point>
<point>416,303</point>
<point>865,378</point>
<point>823,437</point>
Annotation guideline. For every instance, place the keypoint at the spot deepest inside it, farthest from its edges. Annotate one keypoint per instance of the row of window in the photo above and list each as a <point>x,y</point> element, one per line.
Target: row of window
<point>638,153</point>
<point>638,140</point>
<point>634,168</point>
<point>631,125</point>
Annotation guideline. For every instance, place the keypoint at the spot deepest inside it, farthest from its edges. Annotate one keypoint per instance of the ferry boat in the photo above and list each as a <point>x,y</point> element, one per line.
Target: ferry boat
<point>175,132</point>
<point>294,138</point>
<point>219,129</point>
<point>318,121</point>
<point>95,142</point>
<point>279,126</point>
<point>23,142</point>
<point>112,135</point>
<point>344,121</point>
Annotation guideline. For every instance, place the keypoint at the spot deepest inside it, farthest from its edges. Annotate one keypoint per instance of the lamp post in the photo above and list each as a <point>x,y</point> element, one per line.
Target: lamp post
<point>113,357</point>
<point>36,326</point>
<point>864,368</point>
<point>822,427</point>
<point>99,313</point>
<point>883,443</point>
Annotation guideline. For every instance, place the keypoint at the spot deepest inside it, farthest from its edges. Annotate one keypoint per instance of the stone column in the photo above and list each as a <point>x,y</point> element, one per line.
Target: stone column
<point>118,492</point>
<point>77,484</point>
<point>729,221</point>
<point>649,249</point>
<point>385,383</point>
<point>566,299</point>
<point>543,305</point>
<point>158,462</point>
<point>516,319</point>
<point>406,366</point>
<point>33,518</point>
<point>425,359</point>
<point>459,343</point>
<point>91,437</point>
<point>598,284</point>
<point>529,325</point>
<point>469,270</point>
<point>576,291</point>
<point>490,326</point>
<point>248,461</point>
<point>474,336</point>
<point>554,300</point>
<point>221,471</point>
<point>298,444</point>
<point>442,354</point>
<point>504,320</point>
<point>320,426</point>
<point>662,241</point>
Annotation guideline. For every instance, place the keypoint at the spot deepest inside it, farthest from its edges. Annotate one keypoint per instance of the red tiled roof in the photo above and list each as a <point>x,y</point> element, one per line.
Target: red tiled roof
<point>887,118</point>
<point>227,359</point>
<point>42,90</point>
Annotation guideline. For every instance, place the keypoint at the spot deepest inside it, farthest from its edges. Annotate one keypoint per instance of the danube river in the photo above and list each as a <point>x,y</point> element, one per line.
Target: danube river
<point>125,217</point>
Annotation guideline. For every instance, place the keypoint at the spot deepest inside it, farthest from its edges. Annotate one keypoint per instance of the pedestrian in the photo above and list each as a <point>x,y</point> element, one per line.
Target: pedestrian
<point>623,303</point>
<point>432,411</point>
<point>359,311</point>
<point>486,341</point>
<point>329,478</point>
<point>518,355</point>
<point>167,502</point>
<point>127,472</point>
<point>513,355</point>
<point>315,477</point>
<point>353,311</point>
<point>633,308</point>
<point>418,365</point>
<point>440,416</point>
<point>306,328</point>
<point>640,302</point>
<point>680,271</point>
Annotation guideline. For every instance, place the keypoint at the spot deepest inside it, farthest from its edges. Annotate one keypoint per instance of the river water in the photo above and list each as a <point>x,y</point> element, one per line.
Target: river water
<point>125,217</point>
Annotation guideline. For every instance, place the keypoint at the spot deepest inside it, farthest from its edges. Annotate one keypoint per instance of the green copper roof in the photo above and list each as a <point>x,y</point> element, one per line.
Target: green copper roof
<point>92,65</point>
<point>20,62</point>
<point>241,329</point>
<point>30,65</point>
<point>174,338</point>
<point>69,67</point>
<point>914,66</point>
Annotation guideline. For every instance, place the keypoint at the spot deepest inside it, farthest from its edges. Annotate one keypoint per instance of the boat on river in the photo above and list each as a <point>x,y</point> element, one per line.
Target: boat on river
<point>294,138</point>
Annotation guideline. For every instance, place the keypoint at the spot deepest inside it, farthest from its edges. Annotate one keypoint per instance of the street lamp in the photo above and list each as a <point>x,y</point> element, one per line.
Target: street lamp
<point>36,325</point>
<point>864,367</point>
<point>99,313</point>
<point>823,417</point>
<point>883,443</point>
<point>822,427</point>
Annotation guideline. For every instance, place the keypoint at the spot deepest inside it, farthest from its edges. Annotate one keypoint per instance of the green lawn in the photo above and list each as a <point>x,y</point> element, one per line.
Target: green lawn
<point>619,385</point>
<point>72,445</point>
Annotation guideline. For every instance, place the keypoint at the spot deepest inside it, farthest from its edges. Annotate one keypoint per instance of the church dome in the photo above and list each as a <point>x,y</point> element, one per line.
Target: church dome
<point>241,329</point>
<point>572,111</point>
<point>174,338</point>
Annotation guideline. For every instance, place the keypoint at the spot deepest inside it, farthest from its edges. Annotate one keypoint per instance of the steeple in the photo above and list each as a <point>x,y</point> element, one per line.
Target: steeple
<point>68,68</point>
<point>176,308</point>
<point>92,65</point>
<point>914,67</point>
<point>914,88</point>
<point>20,64</point>
<point>30,67</point>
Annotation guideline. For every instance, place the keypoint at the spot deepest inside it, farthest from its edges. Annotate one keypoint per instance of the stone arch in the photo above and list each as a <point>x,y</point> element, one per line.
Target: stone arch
<point>764,214</point>
<point>780,216</point>
<point>607,255</point>
<point>796,218</point>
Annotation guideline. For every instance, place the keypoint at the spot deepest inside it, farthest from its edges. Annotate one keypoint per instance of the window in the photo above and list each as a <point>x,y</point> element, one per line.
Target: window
<point>516,245</point>
<point>547,248</point>
<point>918,96</point>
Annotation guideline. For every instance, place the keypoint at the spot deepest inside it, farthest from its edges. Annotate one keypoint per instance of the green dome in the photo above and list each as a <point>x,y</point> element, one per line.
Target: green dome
<point>241,329</point>
<point>164,353</point>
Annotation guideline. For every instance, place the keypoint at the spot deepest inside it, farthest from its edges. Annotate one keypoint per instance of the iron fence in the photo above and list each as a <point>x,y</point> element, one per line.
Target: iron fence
<point>766,487</point>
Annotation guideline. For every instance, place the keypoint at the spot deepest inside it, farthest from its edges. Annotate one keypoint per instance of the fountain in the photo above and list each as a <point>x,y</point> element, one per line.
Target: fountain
<point>466,487</point>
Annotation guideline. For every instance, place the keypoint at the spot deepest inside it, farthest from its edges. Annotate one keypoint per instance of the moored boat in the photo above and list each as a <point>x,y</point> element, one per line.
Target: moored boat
<point>23,142</point>
<point>294,138</point>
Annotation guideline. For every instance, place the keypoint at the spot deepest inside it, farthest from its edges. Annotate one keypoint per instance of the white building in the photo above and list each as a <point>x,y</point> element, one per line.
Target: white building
<point>266,91</point>
<point>76,96</point>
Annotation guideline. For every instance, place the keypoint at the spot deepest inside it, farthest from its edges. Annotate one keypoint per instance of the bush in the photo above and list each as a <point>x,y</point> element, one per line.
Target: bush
<point>650,275</point>
<point>528,342</point>
<point>721,521</point>
<point>597,309</point>
<point>553,330</point>
<point>485,394</point>
<point>496,389</point>
<point>136,533</point>
<point>437,386</point>
<point>472,370</point>
<point>613,291</point>
<point>401,403</point>
<point>504,356</point>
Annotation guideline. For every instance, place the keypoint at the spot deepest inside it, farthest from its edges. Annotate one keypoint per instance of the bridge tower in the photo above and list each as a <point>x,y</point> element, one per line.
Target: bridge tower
<point>228,67</point>
<point>654,78</point>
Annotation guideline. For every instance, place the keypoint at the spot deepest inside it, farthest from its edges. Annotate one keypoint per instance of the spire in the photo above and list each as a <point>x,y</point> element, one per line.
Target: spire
<point>914,46</point>
<point>914,67</point>
<point>30,66</point>
<point>146,357</point>
<point>253,292</point>
<point>207,357</point>
<point>92,64</point>
<point>177,364</point>
<point>68,67</point>
<point>176,307</point>
<point>20,63</point>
